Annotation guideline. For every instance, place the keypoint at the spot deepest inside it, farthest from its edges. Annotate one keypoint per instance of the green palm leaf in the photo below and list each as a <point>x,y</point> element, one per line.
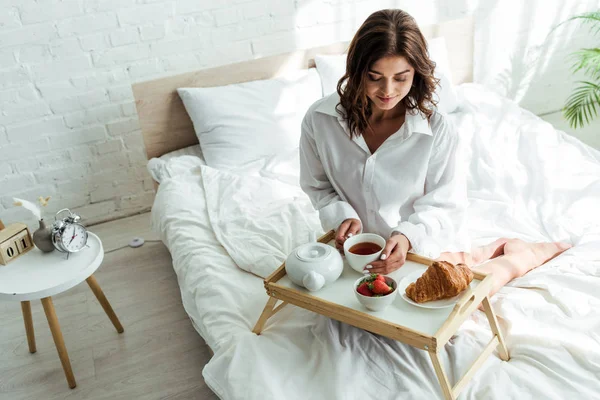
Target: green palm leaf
<point>591,18</point>
<point>582,104</point>
<point>587,60</point>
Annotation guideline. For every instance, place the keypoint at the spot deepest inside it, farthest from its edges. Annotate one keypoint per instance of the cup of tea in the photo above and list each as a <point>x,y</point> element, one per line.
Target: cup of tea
<point>362,249</point>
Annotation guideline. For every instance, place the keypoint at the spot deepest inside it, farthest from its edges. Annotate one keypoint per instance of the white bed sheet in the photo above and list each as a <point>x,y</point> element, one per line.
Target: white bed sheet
<point>525,180</point>
<point>178,162</point>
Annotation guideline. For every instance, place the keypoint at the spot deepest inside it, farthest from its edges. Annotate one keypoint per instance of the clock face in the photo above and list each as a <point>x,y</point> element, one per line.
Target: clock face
<point>74,237</point>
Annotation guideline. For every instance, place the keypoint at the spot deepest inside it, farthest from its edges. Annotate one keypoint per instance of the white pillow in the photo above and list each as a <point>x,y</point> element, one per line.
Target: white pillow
<point>332,67</point>
<point>447,96</point>
<point>241,123</point>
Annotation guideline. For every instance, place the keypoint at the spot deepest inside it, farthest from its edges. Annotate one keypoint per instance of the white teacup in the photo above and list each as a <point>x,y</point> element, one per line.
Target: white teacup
<point>357,261</point>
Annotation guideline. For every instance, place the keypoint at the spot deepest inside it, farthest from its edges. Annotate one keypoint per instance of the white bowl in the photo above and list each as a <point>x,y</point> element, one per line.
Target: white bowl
<point>377,303</point>
<point>356,261</point>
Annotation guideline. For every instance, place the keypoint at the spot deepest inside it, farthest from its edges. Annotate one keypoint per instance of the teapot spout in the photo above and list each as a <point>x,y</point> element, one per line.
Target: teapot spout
<point>313,281</point>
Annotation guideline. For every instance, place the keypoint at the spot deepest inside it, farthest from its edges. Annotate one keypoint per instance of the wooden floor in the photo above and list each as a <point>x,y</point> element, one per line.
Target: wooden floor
<point>159,356</point>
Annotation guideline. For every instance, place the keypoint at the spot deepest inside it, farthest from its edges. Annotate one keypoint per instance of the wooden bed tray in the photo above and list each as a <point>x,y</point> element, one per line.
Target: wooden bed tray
<point>425,329</point>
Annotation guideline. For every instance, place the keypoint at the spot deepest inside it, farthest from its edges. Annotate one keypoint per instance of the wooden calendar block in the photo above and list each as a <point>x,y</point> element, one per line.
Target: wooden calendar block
<point>23,240</point>
<point>8,251</point>
<point>15,240</point>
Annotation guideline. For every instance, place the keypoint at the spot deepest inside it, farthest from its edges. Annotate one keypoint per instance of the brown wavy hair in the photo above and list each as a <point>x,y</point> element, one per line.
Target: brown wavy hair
<point>385,33</point>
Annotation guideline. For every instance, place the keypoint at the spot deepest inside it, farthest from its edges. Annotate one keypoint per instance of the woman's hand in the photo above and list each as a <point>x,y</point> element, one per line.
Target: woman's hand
<point>392,257</point>
<point>347,229</point>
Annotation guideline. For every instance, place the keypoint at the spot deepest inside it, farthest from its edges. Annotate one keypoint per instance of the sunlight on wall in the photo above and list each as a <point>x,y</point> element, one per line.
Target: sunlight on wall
<point>338,21</point>
<point>516,56</point>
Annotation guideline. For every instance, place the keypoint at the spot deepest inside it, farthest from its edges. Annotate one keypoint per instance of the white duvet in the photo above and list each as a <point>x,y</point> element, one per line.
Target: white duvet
<point>526,180</point>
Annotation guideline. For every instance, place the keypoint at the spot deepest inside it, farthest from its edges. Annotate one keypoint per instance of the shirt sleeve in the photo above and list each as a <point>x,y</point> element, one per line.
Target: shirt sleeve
<point>315,183</point>
<point>437,223</point>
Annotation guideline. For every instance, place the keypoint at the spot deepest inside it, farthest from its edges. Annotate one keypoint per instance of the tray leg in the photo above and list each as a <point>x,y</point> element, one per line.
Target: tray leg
<point>267,312</point>
<point>279,307</point>
<point>439,371</point>
<point>489,312</point>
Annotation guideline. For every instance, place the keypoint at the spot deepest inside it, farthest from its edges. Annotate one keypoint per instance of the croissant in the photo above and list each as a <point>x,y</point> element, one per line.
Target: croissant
<point>441,280</point>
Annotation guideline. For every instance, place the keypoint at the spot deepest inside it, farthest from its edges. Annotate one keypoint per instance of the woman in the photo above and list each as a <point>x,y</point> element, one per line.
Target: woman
<point>377,157</point>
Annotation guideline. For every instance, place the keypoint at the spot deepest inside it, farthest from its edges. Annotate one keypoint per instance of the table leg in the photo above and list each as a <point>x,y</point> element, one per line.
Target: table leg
<point>26,308</point>
<point>491,316</point>
<point>58,340</point>
<point>267,312</point>
<point>439,371</point>
<point>104,303</point>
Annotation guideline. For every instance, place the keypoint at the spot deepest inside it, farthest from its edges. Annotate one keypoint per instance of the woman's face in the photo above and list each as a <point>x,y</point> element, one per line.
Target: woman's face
<point>388,81</point>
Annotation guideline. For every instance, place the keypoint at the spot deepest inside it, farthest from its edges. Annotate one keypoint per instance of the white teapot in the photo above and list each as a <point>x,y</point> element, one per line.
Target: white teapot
<point>314,265</point>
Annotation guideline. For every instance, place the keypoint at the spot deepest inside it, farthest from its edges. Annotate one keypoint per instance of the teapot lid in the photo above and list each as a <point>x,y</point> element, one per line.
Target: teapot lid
<point>312,252</point>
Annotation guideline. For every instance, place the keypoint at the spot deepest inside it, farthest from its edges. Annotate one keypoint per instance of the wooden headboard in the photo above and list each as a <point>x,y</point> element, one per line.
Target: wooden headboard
<point>166,125</point>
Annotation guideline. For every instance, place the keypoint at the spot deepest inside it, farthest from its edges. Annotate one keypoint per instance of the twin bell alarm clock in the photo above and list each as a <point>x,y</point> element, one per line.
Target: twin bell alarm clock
<point>68,235</point>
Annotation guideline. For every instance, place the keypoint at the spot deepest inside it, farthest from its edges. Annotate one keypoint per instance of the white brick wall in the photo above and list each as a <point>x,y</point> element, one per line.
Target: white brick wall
<point>68,123</point>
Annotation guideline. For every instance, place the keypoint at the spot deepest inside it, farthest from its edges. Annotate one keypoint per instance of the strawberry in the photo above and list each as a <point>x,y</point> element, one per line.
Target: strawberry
<point>380,287</point>
<point>380,278</point>
<point>363,289</point>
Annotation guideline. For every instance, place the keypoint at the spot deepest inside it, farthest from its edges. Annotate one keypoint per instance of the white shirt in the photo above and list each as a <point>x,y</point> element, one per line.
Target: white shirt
<point>411,184</point>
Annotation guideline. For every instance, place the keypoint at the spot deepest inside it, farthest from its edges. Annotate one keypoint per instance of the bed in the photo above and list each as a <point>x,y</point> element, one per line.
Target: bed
<point>227,230</point>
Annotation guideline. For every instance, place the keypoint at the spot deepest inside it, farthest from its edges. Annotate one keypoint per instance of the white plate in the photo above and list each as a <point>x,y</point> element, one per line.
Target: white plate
<point>412,277</point>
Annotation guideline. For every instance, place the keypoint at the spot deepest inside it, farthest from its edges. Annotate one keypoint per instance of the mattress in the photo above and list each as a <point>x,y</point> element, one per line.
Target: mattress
<point>226,230</point>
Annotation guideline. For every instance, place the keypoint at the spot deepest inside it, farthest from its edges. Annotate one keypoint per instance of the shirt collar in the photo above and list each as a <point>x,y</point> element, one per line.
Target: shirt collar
<point>328,105</point>
<point>416,121</point>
